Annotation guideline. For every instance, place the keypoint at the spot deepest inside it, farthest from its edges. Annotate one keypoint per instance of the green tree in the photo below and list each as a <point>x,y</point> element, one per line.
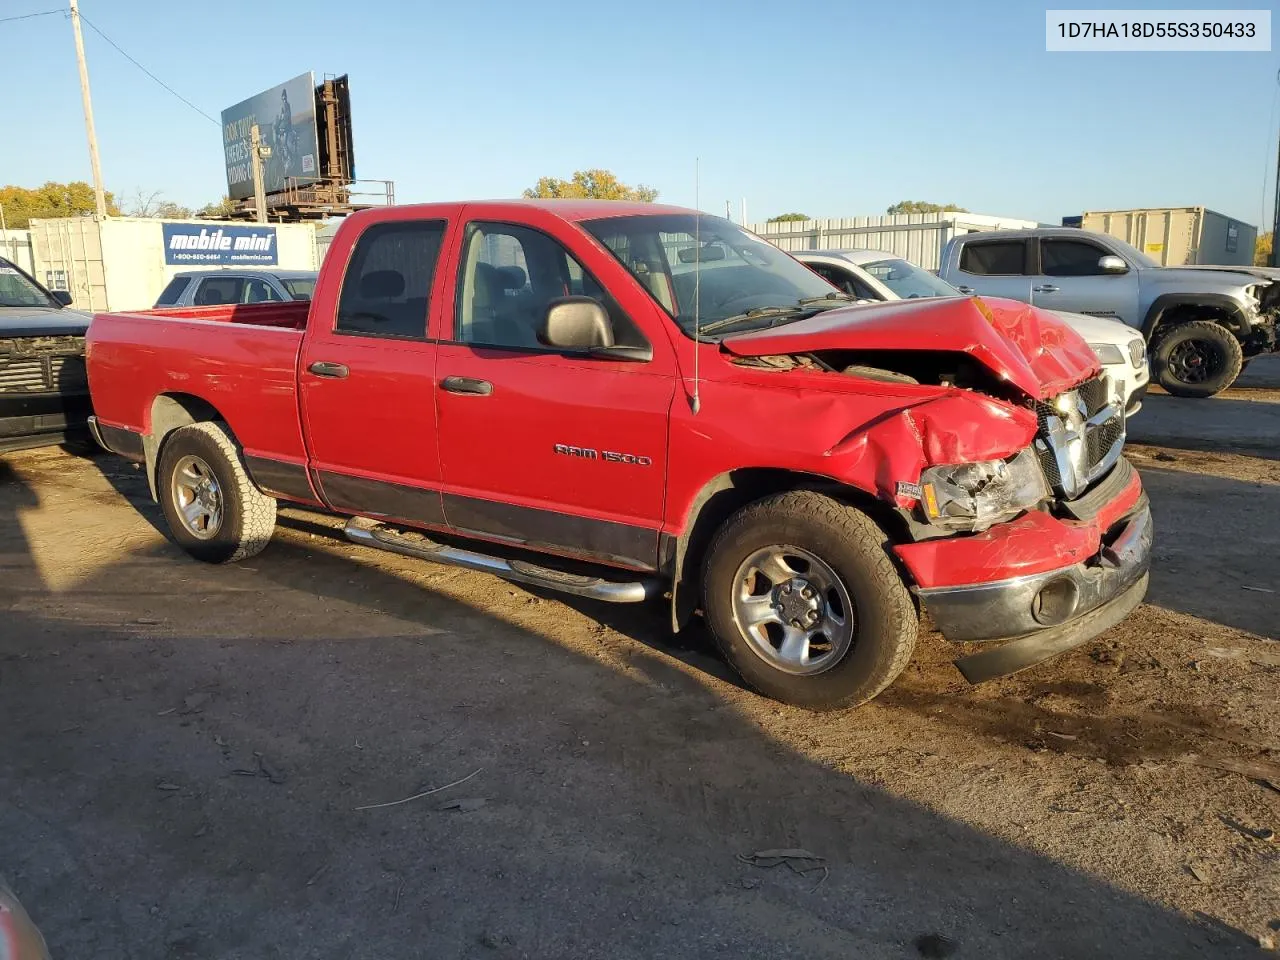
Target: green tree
<point>219,210</point>
<point>923,206</point>
<point>1262,248</point>
<point>168,210</point>
<point>53,200</point>
<point>590,184</point>
<point>789,218</point>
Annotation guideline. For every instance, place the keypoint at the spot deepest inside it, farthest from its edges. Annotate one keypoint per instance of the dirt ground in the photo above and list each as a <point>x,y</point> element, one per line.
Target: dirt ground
<point>184,750</point>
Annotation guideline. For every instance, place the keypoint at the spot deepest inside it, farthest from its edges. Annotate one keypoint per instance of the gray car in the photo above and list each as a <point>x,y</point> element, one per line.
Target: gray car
<point>1202,323</point>
<point>208,288</point>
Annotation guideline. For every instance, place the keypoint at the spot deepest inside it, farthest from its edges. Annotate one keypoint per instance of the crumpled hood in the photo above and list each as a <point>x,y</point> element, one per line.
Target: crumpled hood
<point>42,322</point>
<point>1026,346</point>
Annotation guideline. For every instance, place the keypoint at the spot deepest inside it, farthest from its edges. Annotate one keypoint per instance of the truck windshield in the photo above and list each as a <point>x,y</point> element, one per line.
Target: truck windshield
<point>734,272</point>
<point>17,291</point>
<point>909,281</point>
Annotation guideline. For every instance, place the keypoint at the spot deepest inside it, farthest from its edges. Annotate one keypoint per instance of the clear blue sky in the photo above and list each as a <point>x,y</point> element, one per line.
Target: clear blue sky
<point>832,108</point>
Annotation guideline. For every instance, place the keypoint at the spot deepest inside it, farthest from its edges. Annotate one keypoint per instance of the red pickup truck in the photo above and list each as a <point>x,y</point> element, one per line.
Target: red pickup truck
<point>625,400</point>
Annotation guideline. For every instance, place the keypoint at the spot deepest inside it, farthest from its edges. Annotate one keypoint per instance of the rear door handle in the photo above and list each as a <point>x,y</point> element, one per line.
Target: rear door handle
<point>1045,288</point>
<point>467,385</point>
<point>334,371</point>
<point>965,289</point>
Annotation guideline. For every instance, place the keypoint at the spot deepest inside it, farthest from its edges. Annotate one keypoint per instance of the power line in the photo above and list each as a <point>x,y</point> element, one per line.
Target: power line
<point>31,16</point>
<point>146,71</point>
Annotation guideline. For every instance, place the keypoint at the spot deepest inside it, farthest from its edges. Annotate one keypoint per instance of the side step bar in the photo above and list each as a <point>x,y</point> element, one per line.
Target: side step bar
<point>411,543</point>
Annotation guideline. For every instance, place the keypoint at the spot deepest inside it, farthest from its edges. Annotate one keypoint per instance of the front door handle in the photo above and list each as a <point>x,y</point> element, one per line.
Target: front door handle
<point>334,371</point>
<point>1045,288</point>
<point>965,290</point>
<point>466,385</point>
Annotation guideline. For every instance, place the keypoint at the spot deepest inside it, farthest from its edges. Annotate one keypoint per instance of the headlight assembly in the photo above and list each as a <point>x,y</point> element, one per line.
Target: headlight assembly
<point>1108,352</point>
<point>973,496</point>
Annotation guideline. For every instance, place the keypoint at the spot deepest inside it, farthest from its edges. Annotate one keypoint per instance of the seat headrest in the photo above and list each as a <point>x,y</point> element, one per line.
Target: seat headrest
<point>382,285</point>
<point>512,278</point>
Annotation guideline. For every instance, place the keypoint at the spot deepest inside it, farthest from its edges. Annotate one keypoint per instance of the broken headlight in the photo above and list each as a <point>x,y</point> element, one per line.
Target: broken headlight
<point>973,496</point>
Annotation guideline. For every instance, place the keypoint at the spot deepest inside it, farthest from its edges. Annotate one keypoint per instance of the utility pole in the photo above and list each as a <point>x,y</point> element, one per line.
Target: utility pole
<point>99,196</point>
<point>1275,217</point>
<point>258,153</point>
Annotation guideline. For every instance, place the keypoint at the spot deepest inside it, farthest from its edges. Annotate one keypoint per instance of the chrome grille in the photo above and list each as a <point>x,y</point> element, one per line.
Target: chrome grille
<point>1080,436</point>
<point>43,365</point>
<point>1137,353</point>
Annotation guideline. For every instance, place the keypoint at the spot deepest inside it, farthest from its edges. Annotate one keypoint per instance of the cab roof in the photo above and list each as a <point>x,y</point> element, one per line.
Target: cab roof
<point>573,210</point>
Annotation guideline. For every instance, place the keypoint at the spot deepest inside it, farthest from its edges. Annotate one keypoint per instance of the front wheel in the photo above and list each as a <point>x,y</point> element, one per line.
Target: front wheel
<point>1197,359</point>
<point>805,603</point>
<point>214,510</point>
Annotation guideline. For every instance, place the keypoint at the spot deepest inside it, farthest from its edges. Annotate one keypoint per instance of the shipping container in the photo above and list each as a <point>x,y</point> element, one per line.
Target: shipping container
<point>1179,236</point>
<point>15,246</point>
<point>123,263</point>
<point>918,237</point>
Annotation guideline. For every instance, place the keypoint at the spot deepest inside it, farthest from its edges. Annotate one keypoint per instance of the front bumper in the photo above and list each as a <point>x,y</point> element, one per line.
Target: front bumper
<point>40,419</point>
<point>1037,616</point>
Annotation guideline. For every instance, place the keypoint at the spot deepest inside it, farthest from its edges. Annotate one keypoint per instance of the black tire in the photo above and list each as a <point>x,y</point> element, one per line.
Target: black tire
<point>246,517</point>
<point>885,622</point>
<point>1196,359</point>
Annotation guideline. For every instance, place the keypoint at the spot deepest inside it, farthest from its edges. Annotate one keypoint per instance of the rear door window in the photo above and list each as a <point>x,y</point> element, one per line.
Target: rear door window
<point>993,258</point>
<point>214,291</point>
<point>259,291</point>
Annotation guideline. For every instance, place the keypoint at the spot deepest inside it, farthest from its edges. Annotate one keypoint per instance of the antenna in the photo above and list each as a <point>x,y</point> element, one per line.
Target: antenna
<point>695,401</point>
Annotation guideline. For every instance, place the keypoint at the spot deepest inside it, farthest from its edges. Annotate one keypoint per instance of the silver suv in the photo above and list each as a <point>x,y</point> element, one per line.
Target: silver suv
<point>1202,323</point>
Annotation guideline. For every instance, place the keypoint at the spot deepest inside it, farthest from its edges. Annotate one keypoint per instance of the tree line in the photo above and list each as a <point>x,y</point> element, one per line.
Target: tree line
<point>52,200</point>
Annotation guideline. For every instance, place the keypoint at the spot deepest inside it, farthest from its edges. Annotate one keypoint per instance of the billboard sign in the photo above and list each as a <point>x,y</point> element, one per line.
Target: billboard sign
<point>286,119</point>
<point>193,244</point>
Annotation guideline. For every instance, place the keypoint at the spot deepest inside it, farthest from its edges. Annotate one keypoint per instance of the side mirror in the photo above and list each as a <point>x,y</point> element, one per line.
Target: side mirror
<point>61,296</point>
<point>1112,264</point>
<point>582,324</point>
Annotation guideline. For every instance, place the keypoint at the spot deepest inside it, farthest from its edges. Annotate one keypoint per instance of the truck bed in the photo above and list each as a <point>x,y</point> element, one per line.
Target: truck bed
<point>240,358</point>
<point>290,314</point>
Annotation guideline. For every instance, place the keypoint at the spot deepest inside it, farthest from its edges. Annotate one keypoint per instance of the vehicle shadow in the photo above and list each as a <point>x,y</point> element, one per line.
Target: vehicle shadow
<point>187,785</point>
<point>1213,556</point>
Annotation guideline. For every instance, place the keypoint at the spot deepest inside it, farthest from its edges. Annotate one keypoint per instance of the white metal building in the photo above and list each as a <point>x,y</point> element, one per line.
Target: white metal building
<point>918,237</point>
<point>122,263</point>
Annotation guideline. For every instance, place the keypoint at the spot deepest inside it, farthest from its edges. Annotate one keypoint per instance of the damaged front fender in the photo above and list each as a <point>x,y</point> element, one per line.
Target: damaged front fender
<point>887,457</point>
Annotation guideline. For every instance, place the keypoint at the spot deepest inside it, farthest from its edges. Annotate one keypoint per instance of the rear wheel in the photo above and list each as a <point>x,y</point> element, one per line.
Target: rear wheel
<point>213,509</point>
<point>1197,359</point>
<point>805,604</point>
